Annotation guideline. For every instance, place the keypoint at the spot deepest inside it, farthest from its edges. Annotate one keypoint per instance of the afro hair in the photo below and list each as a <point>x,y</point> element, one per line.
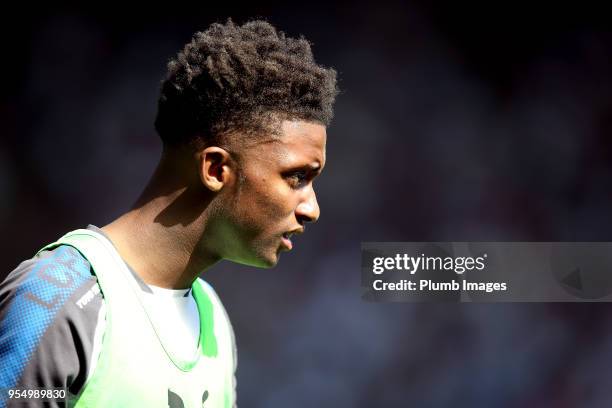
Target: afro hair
<point>241,78</point>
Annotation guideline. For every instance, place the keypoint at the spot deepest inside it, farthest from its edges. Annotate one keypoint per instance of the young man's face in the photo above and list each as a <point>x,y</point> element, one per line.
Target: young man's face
<point>274,196</point>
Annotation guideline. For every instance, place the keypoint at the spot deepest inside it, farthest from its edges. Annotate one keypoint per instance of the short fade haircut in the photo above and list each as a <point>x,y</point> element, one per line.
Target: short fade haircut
<point>241,78</point>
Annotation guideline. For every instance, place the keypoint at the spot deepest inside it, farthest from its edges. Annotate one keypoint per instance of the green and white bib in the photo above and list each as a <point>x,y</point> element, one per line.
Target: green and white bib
<point>134,368</point>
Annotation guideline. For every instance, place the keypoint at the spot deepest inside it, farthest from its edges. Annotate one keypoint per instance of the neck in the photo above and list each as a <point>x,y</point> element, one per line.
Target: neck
<point>160,237</point>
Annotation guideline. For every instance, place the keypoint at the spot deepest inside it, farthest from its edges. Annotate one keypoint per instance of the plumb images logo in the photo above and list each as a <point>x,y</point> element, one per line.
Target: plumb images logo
<point>487,271</point>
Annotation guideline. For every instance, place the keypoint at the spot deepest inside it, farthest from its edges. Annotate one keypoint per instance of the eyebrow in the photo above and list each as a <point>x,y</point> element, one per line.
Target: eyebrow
<point>314,167</point>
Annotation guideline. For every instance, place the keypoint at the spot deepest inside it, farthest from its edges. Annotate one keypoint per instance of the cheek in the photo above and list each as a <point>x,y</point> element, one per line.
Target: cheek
<point>263,204</point>
<point>273,202</point>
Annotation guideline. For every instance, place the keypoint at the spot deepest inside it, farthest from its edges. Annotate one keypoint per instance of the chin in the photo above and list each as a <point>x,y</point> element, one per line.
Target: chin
<point>261,261</point>
<point>269,262</point>
<point>266,259</point>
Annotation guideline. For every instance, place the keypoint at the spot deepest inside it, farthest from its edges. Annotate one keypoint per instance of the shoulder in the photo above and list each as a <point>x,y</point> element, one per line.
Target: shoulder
<point>43,284</point>
<point>49,308</point>
<point>219,309</point>
<point>212,295</point>
<point>208,289</point>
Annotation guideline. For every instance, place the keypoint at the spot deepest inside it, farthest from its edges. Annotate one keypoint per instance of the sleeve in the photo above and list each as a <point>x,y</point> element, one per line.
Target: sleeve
<point>50,308</point>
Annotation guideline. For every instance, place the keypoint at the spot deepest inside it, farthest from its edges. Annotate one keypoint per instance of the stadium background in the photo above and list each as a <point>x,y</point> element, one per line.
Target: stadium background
<point>457,121</point>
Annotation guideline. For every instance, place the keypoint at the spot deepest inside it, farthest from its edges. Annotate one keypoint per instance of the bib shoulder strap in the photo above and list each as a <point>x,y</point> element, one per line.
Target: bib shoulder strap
<point>98,251</point>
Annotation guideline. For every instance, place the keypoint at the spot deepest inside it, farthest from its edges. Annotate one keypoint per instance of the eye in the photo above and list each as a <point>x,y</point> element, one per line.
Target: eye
<point>297,179</point>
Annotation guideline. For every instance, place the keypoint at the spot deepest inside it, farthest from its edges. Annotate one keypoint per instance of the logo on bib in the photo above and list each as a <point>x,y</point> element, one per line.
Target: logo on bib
<point>175,401</point>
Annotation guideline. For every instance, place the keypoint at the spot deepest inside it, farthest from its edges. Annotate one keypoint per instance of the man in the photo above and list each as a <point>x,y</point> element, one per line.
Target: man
<point>117,316</point>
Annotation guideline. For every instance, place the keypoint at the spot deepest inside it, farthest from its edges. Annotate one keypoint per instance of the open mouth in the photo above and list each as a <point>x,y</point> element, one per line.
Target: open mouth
<point>286,240</point>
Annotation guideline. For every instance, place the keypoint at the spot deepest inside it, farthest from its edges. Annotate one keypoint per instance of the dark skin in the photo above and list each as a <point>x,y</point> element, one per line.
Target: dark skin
<point>240,201</point>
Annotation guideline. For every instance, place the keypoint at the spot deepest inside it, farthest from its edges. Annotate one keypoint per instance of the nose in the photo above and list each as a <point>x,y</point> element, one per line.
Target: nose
<point>308,209</point>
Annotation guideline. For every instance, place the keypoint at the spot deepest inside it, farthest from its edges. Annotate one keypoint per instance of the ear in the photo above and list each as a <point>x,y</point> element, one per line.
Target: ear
<point>216,167</point>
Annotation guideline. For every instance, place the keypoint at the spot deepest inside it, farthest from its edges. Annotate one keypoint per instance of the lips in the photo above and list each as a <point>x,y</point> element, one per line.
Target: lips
<point>286,241</point>
<point>286,238</point>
